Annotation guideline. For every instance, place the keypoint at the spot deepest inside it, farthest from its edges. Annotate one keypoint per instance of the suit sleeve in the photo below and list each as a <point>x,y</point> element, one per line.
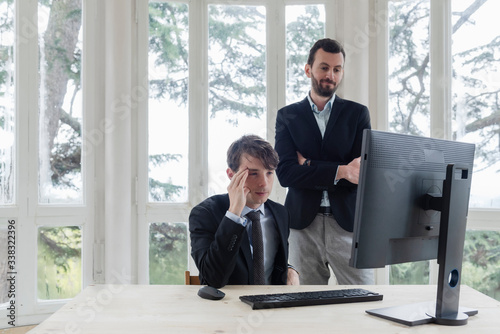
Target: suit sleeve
<point>214,245</point>
<point>292,137</point>
<point>362,124</point>
<point>319,176</point>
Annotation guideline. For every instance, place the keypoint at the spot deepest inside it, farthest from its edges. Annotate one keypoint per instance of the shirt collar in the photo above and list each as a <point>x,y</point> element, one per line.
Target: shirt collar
<point>328,105</point>
<point>246,210</point>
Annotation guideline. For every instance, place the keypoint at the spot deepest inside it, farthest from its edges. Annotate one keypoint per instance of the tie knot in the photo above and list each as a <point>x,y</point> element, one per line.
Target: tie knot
<point>253,215</point>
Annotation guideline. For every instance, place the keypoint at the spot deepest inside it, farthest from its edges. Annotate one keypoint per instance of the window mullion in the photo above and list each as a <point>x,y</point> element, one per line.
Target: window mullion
<point>27,148</point>
<point>141,190</point>
<point>198,102</point>
<point>440,76</point>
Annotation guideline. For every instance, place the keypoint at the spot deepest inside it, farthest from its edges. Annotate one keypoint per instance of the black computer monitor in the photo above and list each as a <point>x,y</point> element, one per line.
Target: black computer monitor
<point>412,205</point>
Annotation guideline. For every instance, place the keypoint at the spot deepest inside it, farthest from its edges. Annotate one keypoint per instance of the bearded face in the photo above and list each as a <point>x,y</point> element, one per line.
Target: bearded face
<point>324,87</point>
<point>326,73</point>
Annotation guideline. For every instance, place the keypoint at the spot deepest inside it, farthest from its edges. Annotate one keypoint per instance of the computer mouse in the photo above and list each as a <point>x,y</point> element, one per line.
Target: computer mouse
<point>208,292</point>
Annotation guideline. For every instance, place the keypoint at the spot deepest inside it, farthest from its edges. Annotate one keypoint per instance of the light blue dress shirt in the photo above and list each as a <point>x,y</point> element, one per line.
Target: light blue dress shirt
<point>322,117</point>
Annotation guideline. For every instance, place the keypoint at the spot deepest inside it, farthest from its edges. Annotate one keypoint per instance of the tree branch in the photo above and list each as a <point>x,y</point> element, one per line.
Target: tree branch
<point>466,14</point>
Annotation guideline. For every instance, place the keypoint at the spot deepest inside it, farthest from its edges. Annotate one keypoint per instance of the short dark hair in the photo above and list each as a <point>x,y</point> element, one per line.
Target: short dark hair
<point>328,45</point>
<point>254,146</point>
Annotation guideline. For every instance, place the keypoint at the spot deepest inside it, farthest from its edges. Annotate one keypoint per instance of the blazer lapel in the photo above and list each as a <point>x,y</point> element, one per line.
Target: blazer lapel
<point>245,242</point>
<point>310,122</point>
<point>281,231</point>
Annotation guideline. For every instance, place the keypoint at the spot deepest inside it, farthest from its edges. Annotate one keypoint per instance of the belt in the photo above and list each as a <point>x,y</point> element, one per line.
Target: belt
<point>325,210</point>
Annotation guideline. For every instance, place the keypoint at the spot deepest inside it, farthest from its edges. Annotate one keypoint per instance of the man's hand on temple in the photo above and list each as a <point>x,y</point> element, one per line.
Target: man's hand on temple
<point>238,192</point>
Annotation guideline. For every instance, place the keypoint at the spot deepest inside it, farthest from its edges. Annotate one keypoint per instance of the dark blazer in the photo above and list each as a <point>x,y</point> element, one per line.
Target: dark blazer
<point>297,130</point>
<point>221,248</point>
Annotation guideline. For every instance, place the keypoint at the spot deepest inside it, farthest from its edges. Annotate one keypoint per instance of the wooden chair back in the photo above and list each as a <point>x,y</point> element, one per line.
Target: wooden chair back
<point>191,280</point>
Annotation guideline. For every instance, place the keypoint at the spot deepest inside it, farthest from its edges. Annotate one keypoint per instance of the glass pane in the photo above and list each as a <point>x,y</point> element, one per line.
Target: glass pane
<point>7,108</point>
<point>59,262</point>
<point>168,102</point>
<point>237,82</point>
<point>409,273</point>
<point>476,93</point>
<point>409,81</point>
<point>168,253</point>
<point>60,123</point>
<point>304,26</point>
<point>481,264</point>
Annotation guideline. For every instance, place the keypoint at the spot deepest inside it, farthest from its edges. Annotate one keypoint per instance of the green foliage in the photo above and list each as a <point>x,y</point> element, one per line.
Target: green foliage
<point>168,42</point>
<point>168,24</point>
<point>159,159</point>
<point>162,191</point>
<point>480,100</point>
<point>237,71</point>
<point>410,273</point>
<point>409,63</point>
<point>236,61</point>
<point>62,69</point>
<point>480,268</point>
<point>59,270</point>
<point>409,82</point>
<point>168,254</point>
<point>301,35</point>
<point>66,161</point>
<point>481,264</point>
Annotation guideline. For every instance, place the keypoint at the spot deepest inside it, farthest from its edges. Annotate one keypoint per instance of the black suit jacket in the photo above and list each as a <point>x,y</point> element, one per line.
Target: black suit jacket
<point>297,130</point>
<point>221,248</point>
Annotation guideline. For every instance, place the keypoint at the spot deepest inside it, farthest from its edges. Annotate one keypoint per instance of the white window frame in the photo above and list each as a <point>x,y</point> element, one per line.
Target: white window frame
<point>26,211</point>
<point>198,110</point>
<point>441,101</point>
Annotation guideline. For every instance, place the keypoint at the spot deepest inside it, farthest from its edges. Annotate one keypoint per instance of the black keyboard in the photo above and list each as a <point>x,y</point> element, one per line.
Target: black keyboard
<point>292,299</point>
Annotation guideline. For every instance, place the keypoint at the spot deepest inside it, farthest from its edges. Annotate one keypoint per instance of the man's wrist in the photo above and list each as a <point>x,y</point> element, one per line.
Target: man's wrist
<point>293,268</point>
<point>336,179</point>
<point>235,218</point>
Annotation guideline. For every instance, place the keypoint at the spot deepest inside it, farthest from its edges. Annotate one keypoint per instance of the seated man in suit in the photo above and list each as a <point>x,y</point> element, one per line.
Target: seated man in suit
<point>230,247</point>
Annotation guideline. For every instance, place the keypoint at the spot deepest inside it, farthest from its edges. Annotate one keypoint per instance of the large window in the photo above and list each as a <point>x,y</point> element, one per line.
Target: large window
<point>475,55</point>
<point>476,119</point>
<point>409,67</point>
<point>304,24</point>
<point>44,216</point>
<point>60,106</point>
<point>60,173</point>
<point>168,136</point>
<point>214,75</point>
<point>476,93</point>
<point>474,63</point>
<point>237,82</point>
<point>214,70</point>
<point>209,68</point>
<point>168,102</point>
<point>409,95</point>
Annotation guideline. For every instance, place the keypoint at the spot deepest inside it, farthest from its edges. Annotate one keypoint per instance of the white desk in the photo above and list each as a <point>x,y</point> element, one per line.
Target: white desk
<point>177,309</point>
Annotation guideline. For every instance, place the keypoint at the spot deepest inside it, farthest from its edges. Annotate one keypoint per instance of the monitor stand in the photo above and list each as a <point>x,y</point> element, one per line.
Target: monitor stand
<point>445,310</point>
